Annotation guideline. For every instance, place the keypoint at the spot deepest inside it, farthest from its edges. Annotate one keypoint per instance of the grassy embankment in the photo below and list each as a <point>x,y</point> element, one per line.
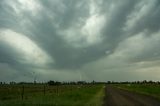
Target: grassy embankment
<point>147,89</point>
<point>64,95</point>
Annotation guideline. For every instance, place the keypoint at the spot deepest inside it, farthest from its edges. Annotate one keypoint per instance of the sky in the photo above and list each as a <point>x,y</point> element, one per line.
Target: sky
<point>71,40</point>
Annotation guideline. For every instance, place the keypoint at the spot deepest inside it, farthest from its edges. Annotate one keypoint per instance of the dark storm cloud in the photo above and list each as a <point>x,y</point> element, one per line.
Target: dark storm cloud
<point>150,20</point>
<point>74,57</point>
<point>44,32</point>
<point>66,12</point>
<point>76,33</point>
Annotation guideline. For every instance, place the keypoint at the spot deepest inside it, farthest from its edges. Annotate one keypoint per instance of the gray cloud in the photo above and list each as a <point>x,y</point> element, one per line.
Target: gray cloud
<point>87,36</point>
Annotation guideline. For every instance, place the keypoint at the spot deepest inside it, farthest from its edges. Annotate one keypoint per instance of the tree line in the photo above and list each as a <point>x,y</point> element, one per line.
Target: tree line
<point>52,82</point>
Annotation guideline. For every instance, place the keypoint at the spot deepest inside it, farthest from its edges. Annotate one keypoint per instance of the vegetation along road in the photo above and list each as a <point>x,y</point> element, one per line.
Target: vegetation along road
<point>119,97</point>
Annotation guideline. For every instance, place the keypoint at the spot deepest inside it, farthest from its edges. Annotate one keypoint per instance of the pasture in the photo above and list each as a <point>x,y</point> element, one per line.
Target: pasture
<point>60,95</point>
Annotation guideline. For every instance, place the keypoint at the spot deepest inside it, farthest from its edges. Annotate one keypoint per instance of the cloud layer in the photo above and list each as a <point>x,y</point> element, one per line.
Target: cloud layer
<point>89,39</point>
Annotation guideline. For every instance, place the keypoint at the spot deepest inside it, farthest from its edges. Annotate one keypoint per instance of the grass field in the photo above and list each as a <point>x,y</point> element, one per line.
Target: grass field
<point>147,89</point>
<point>63,95</point>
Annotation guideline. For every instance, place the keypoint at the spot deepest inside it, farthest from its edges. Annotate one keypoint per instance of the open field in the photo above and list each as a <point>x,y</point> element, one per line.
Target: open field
<point>62,95</point>
<point>80,95</point>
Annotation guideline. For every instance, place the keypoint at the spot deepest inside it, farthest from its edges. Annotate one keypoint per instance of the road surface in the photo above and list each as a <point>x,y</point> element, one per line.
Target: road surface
<point>119,97</point>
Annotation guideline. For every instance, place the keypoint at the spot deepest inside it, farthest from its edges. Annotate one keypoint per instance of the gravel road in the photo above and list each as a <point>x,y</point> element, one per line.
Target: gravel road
<point>119,97</point>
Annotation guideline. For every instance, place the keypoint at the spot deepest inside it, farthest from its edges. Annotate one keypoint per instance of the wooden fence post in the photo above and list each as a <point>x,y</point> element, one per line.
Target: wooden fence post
<point>44,90</point>
<point>22,94</point>
<point>57,91</point>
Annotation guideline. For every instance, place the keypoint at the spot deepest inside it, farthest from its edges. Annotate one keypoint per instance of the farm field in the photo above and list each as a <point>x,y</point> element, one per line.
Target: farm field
<point>62,95</point>
<point>79,95</point>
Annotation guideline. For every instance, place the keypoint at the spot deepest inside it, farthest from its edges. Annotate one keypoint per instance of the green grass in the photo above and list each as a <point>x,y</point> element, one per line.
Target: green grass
<point>147,89</point>
<point>97,100</point>
<point>64,95</point>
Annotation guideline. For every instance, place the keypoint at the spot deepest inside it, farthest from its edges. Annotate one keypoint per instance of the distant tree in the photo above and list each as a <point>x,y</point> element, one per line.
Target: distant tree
<point>51,82</point>
<point>54,83</point>
<point>81,82</point>
<point>151,82</point>
<point>144,82</point>
<point>108,82</point>
<point>93,82</point>
<point>12,83</point>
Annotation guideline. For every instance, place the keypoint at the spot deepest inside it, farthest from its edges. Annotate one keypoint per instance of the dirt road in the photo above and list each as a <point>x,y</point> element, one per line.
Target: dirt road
<point>119,97</point>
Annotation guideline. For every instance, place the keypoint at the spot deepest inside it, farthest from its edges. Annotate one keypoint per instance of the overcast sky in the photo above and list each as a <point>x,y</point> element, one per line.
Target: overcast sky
<point>65,40</point>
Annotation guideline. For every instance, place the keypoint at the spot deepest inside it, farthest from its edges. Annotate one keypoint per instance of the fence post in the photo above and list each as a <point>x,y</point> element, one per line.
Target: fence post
<point>44,90</point>
<point>22,94</point>
<point>57,91</point>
